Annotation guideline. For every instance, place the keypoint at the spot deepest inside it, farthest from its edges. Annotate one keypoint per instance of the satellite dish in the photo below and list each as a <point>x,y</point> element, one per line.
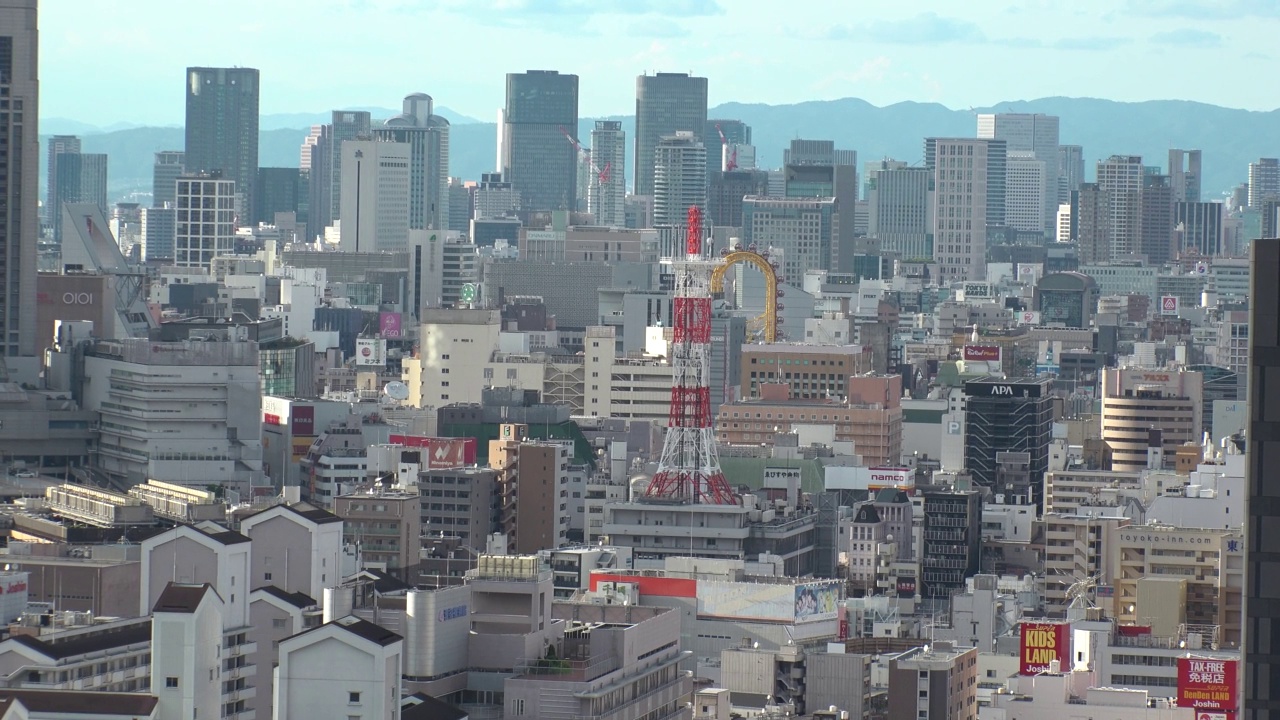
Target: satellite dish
<point>396,390</point>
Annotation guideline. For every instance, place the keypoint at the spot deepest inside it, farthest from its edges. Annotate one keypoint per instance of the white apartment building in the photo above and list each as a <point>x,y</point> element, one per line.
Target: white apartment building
<point>969,196</point>
<point>1121,177</point>
<point>679,177</point>
<point>349,665</point>
<point>1025,187</point>
<point>296,547</point>
<point>275,615</point>
<point>375,196</point>
<point>206,220</point>
<point>1062,233</point>
<point>188,413</point>
<point>110,657</point>
<point>188,660</point>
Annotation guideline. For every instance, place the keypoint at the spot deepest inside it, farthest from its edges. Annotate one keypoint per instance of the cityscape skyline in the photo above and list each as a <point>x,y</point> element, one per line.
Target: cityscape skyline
<point>885,57</point>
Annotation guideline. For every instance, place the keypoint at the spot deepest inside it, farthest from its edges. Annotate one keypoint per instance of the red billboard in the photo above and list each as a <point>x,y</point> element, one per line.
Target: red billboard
<point>1042,643</point>
<point>440,452</point>
<point>987,353</point>
<point>304,420</point>
<point>1207,684</point>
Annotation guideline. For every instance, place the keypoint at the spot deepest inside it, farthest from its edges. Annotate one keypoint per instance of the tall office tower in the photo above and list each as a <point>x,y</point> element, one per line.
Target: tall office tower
<point>1035,133</point>
<point>721,134</point>
<point>158,228</point>
<point>726,190</point>
<point>666,103</point>
<point>542,105</point>
<point>900,208</point>
<point>375,195</point>
<point>1147,416</point>
<point>278,190</point>
<point>1005,417</point>
<point>679,177</point>
<point>816,169</point>
<point>1070,171</point>
<point>493,198</point>
<point>222,127</point>
<point>428,137</point>
<point>1201,227</point>
<point>1262,556</point>
<point>205,226</point>
<point>82,178</point>
<point>58,144</point>
<point>317,163</point>
<point>460,204</point>
<point>1264,181</point>
<point>801,228</point>
<point>1184,173</point>
<point>1155,219</point>
<point>169,164</point>
<point>19,179</point>
<point>1025,189</point>
<point>1093,225</point>
<point>608,189</point>
<point>1121,177</point>
<point>344,125</point>
<point>968,198</point>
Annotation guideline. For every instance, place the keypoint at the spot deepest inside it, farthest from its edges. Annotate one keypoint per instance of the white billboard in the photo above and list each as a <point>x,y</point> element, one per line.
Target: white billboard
<point>864,478</point>
<point>371,351</point>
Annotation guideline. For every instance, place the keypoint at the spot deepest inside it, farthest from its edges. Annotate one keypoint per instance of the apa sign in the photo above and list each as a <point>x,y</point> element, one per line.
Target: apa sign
<point>1042,643</point>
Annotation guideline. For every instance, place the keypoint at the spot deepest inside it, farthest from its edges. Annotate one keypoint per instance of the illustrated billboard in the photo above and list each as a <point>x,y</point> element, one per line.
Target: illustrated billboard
<point>1168,304</point>
<point>987,353</point>
<point>440,452</point>
<point>389,325</point>
<point>817,601</point>
<point>1207,684</point>
<point>371,351</point>
<point>1028,317</point>
<point>1042,643</point>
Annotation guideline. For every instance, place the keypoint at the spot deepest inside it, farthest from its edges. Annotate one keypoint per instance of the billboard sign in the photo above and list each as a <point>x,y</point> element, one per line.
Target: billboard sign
<point>275,410</point>
<point>906,587</point>
<point>1028,317</point>
<point>1168,304</point>
<point>987,353</point>
<point>303,418</point>
<point>976,290</point>
<point>1042,643</point>
<point>817,601</point>
<point>371,351</point>
<point>440,453</point>
<point>862,478</point>
<point>1207,684</point>
<point>389,325</point>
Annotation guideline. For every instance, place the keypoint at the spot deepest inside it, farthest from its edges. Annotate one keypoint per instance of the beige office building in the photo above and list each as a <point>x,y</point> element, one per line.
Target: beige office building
<point>1140,405</point>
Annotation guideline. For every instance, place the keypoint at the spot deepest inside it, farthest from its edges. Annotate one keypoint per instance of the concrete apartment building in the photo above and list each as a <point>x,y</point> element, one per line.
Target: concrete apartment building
<point>937,681</point>
<point>679,177</point>
<point>1120,177</point>
<point>111,657</point>
<point>1075,491</point>
<point>296,547</point>
<point>193,555</point>
<point>385,526</point>
<point>810,372</point>
<point>275,615</point>
<point>1075,552</point>
<point>533,480</point>
<point>187,651</point>
<point>204,226</point>
<point>459,502</point>
<point>371,659</point>
<point>1146,411</point>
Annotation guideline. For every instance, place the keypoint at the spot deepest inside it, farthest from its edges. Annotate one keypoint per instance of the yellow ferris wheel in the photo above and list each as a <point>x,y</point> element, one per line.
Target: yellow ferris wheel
<point>767,322</point>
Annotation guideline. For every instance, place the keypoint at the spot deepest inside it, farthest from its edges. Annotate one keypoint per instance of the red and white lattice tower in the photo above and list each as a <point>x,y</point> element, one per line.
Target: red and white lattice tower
<point>690,467</point>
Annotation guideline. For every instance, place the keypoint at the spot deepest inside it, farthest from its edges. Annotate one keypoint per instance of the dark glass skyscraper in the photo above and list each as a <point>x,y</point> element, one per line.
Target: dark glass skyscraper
<point>19,181</point>
<point>82,178</point>
<point>537,159</point>
<point>666,103</point>
<point>1009,417</point>
<point>222,127</point>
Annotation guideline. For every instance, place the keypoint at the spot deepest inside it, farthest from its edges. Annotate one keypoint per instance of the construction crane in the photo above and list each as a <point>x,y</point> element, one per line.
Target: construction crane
<point>730,154</point>
<point>602,174</point>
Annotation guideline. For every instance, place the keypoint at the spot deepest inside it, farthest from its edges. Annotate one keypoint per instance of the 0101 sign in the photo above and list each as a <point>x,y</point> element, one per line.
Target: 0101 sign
<point>73,298</point>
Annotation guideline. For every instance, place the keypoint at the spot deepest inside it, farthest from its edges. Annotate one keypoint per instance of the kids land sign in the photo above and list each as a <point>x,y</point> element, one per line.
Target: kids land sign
<point>1042,643</point>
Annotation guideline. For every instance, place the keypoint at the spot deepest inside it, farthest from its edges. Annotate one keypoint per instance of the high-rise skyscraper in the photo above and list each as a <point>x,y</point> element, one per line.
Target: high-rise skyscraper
<point>900,208</point>
<point>428,137</point>
<point>1200,224</point>
<point>1024,200</point>
<point>19,179</point>
<point>375,195</point>
<point>608,190</point>
<point>1092,220</point>
<point>1155,219</point>
<point>964,205</point>
<point>345,125</point>
<point>815,169</point>
<point>58,144</point>
<point>82,178</point>
<point>278,190</point>
<point>1185,174</point>
<point>1029,132</point>
<point>1264,181</point>
<point>537,159</point>
<point>222,127</point>
<point>666,103</point>
<point>1121,177</point>
<point>735,133</point>
<point>679,177</point>
<point>1070,171</point>
<point>169,164</point>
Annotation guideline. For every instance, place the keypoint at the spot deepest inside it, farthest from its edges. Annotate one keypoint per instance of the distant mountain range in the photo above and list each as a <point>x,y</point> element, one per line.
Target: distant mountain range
<point>1229,138</point>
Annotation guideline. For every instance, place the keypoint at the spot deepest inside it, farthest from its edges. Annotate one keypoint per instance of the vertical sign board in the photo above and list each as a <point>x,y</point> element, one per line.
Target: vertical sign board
<point>1042,643</point>
<point>389,325</point>
<point>1169,305</point>
<point>1207,684</point>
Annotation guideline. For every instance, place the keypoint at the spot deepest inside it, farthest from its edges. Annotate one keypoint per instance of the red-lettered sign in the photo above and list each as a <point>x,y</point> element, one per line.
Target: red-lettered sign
<point>1042,643</point>
<point>440,453</point>
<point>988,353</point>
<point>1207,684</point>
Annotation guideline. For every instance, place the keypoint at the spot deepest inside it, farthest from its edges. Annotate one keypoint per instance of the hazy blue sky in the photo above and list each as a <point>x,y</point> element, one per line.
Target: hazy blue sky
<point>124,61</point>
